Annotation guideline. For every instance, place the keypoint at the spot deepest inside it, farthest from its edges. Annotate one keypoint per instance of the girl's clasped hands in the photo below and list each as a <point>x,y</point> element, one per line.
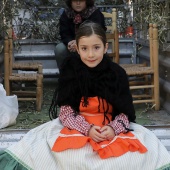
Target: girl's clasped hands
<point>99,134</point>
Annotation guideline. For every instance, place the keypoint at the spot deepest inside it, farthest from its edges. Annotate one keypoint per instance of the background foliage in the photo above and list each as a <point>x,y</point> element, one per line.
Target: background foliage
<point>39,18</point>
<point>153,11</point>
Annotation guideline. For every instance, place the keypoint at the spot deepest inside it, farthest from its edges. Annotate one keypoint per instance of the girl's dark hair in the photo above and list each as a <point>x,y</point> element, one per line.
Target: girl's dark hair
<point>89,28</point>
<point>89,3</point>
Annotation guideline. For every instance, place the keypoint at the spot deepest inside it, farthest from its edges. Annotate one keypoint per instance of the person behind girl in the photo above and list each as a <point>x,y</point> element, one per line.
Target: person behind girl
<point>96,126</point>
<point>77,11</point>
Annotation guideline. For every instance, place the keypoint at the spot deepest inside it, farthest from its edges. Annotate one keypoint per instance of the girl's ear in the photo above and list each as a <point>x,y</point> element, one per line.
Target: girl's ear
<point>106,47</point>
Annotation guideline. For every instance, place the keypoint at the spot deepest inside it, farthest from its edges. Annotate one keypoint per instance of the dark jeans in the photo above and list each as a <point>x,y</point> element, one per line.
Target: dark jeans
<point>61,52</point>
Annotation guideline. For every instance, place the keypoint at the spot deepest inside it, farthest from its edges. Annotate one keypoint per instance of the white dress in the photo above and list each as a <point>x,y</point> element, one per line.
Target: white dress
<point>34,152</point>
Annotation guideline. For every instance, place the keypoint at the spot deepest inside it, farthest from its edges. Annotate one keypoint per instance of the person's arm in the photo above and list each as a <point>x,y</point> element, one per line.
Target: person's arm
<point>66,32</point>
<point>69,120</point>
<point>120,124</point>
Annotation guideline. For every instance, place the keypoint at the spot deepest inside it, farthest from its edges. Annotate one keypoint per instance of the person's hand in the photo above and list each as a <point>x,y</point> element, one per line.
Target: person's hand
<point>108,132</point>
<point>72,46</point>
<point>95,134</point>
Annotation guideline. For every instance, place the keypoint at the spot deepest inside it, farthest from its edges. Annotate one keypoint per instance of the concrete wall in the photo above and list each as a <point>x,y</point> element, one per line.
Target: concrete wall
<point>1,64</point>
<point>164,74</point>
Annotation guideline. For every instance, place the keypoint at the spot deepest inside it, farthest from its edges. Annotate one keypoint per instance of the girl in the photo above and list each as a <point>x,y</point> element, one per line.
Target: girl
<point>77,11</point>
<point>95,128</point>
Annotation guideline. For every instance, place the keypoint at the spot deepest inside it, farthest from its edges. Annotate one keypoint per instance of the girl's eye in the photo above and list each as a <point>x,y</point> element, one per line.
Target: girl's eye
<point>83,48</point>
<point>97,47</point>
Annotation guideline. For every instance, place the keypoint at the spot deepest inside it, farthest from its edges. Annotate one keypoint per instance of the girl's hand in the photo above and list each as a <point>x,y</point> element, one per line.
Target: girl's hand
<point>108,132</point>
<point>72,46</point>
<point>95,134</point>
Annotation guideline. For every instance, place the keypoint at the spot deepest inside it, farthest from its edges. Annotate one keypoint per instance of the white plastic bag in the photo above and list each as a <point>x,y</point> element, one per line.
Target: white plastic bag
<point>8,108</point>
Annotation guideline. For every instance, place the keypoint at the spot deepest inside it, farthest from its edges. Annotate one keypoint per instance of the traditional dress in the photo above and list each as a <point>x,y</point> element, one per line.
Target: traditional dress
<point>54,146</point>
<point>73,139</point>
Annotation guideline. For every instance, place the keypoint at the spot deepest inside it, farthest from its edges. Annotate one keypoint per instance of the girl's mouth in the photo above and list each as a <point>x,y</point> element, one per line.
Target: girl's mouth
<point>91,61</point>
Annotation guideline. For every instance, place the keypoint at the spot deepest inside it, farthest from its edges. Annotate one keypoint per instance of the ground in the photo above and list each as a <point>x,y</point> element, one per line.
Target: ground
<point>28,118</point>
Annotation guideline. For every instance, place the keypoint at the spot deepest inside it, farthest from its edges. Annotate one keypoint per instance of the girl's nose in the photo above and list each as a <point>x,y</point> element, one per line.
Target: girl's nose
<point>91,54</point>
<point>78,1</point>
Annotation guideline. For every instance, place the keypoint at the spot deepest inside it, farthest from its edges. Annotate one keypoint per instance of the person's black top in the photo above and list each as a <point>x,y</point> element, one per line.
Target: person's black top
<point>67,26</point>
<point>107,80</point>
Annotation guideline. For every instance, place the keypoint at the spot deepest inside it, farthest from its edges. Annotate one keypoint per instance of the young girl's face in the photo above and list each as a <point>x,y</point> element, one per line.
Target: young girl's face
<point>78,5</point>
<point>91,50</point>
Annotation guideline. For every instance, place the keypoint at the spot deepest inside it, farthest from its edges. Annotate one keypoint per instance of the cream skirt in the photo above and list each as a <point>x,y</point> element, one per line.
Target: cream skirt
<point>34,152</point>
